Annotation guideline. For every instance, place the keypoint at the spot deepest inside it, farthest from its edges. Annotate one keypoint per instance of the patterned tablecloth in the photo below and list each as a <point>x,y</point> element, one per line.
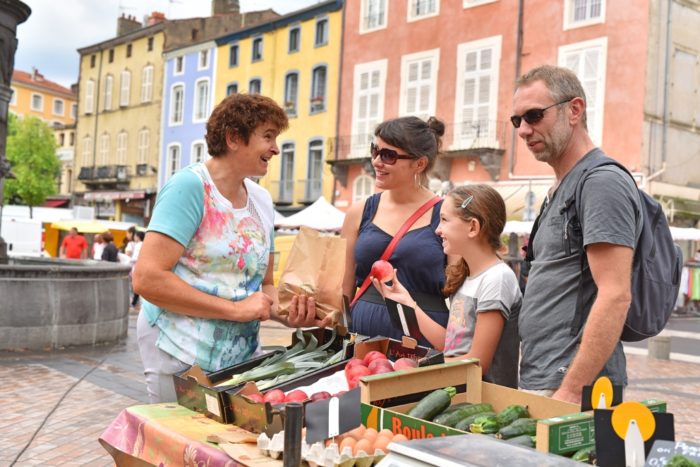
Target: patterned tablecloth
<point>165,434</point>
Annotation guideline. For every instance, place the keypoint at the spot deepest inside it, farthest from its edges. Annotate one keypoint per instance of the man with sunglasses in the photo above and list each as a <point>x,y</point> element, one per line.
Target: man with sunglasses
<point>560,356</point>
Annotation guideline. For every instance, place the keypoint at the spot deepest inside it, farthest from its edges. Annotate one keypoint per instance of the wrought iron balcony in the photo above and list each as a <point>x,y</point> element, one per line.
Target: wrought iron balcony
<point>105,174</point>
<point>282,191</point>
<point>86,173</point>
<point>312,189</point>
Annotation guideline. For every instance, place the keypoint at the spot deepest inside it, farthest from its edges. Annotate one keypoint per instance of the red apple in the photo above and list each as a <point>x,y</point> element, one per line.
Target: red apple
<point>375,365</point>
<point>382,270</point>
<point>373,355</point>
<point>339,393</point>
<point>403,363</point>
<point>296,396</point>
<point>317,396</point>
<point>275,396</point>
<point>357,371</point>
<point>354,362</point>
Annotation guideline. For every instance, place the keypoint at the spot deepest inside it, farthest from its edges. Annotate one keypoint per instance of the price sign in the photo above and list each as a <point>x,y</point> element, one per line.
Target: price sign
<point>662,452</point>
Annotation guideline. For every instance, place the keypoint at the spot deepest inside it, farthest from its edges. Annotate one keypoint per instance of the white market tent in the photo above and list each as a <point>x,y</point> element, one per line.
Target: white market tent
<point>678,233</point>
<point>321,215</point>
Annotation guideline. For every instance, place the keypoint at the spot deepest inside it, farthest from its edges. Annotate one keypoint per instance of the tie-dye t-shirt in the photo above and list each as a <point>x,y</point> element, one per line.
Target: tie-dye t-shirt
<point>493,289</point>
<point>226,254</point>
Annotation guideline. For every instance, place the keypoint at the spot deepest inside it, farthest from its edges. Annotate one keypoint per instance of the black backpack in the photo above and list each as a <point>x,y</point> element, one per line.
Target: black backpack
<point>656,269</point>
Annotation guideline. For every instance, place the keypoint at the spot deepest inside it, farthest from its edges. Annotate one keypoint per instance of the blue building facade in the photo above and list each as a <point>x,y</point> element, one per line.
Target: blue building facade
<point>188,99</point>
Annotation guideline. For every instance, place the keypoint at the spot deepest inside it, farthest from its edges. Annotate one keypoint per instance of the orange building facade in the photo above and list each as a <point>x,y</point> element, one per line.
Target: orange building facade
<point>33,95</point>
<point>458,60</point>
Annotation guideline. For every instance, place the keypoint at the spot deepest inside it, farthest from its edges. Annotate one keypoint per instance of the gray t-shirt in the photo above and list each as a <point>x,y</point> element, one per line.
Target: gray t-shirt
<point>610,213</point>
<point>493,289</point>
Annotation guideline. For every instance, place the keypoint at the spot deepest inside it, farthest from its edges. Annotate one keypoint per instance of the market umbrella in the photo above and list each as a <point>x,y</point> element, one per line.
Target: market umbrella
<point>83,225</point>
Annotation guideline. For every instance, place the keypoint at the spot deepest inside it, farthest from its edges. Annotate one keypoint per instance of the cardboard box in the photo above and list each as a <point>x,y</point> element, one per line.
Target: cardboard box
<point>259,418</point>
<point>197,390</point>
<point>562,427</point>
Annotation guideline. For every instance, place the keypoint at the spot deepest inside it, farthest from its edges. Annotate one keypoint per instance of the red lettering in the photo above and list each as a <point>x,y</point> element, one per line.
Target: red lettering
<point>407,432</point>
<point>430,435</point>
<point>396,425</point>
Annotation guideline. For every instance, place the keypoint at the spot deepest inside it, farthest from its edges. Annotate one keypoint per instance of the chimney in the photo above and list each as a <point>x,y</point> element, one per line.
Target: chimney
<point>36,76</point>
<point>127,24</point>
<point>225,7</point>
<point>155,18</point>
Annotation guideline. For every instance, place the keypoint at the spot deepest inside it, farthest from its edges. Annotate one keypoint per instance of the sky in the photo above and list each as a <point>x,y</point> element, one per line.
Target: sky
<point>49,39</point>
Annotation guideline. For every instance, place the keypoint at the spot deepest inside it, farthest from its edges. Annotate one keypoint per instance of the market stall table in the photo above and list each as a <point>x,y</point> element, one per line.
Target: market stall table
<point>169,434</point>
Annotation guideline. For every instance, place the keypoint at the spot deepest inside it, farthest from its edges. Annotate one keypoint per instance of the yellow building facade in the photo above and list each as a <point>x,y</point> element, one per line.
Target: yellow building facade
<point>295,60</point>
<point>117,136</point>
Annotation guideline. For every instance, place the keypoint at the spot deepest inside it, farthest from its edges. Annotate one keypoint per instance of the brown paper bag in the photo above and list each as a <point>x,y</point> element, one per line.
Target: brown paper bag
<point>315,268</point>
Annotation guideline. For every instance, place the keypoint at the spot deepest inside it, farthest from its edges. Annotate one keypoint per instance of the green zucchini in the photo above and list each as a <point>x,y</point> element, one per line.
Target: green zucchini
<point>522,440</point>
<point>521,426</point>
<point>453,407</point>
<point>585,455</point>
<point>452,418</point>
<point>512,413</point>
<point>433,403</point>
<point>464,423</point>
<point>485,424</point>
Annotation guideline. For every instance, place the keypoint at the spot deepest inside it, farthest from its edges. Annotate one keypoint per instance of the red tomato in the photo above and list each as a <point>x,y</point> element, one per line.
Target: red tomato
<point>317,396</point>
<point>382,270</point>
<point>380,366</point>
<point>357,372</point>
<point>296,396</point>
<point>256,397</point>
<point>373,355</point>
<point>403,363</point>
<point>354,362</point>
<point>275,396</point>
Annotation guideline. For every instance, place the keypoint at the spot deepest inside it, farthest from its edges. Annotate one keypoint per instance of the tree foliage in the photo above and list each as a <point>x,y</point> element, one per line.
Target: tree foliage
<point>31,151</point>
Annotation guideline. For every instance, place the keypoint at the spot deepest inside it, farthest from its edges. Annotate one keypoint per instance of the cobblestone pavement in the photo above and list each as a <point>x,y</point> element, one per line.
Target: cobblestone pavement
<point>93,385</point>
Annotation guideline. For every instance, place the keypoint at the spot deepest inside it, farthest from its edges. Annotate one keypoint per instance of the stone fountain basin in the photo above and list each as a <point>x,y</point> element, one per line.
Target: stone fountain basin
<point>48,303</point>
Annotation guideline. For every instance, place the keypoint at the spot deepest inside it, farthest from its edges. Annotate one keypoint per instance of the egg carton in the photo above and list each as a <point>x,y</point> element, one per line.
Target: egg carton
<point>318,455</point>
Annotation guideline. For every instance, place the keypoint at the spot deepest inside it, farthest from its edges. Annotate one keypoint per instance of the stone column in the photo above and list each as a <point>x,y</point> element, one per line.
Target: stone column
<point>12,13</point>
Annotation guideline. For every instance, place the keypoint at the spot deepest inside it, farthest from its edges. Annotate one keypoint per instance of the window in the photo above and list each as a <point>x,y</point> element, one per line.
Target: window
<point>684,99</point>
<point>147,83</point>
<point>254,86</point>
<point>179,65</point>
<point>419,9</point>
<point>231,88</point>
<point>37,102</point>
<point>362,188</point>
<point>257,49</point>
<point>291,85</point>
<point>201,100</point>
<point>294,39</point>
<point>61,139</point>
<point>173,161</point>
<point>144,143</point>
<point>588,60</point>
<point>121,148</point>
<point>177,103</point>
<point>579,13</point>
<point>318,89</point>
<point>477,93</point>
<point>315,171</point>
<point>74,111</point>
<point>58,107</point>
<point>128,50</point>
<point>110,55</point>
<point>368,105</point>
<point>87,151</point>
<point>286,188</point>
<point>89,96</point>
<point>93,59</point>
<point>418,83</point>
<point>13,99</point>
<point>373,15</point>
<point>104,149</point>
<point>109,85</point>
<point>233,56</point>
<point>71,139</point>
<point>198,153</point>
<point>471,3</point>
<point>203,62</point>
<point>149,45</point>
<point>321,37</point>
<point>125,88</point>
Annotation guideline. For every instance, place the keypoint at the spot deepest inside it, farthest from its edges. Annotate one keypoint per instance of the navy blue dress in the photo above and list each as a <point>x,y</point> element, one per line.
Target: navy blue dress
<point>420,264</point>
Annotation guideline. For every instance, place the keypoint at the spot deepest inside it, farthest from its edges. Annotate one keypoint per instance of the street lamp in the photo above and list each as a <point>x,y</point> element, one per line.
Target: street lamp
<point>12,13</point>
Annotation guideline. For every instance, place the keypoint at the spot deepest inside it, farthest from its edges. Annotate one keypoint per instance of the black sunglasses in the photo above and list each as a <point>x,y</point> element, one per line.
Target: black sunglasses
<point>388,156</point>
<point>533,116</point>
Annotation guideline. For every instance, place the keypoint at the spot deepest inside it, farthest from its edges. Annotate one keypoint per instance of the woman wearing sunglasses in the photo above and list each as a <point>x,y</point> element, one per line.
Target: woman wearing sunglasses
<point>403,151</point>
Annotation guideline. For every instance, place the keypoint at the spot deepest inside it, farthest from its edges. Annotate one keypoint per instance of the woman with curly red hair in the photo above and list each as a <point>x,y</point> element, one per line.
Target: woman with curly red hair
<point>205,268</point>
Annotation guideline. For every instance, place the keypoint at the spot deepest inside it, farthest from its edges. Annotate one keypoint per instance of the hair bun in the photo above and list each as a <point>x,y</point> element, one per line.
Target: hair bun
<point>437,126</point>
